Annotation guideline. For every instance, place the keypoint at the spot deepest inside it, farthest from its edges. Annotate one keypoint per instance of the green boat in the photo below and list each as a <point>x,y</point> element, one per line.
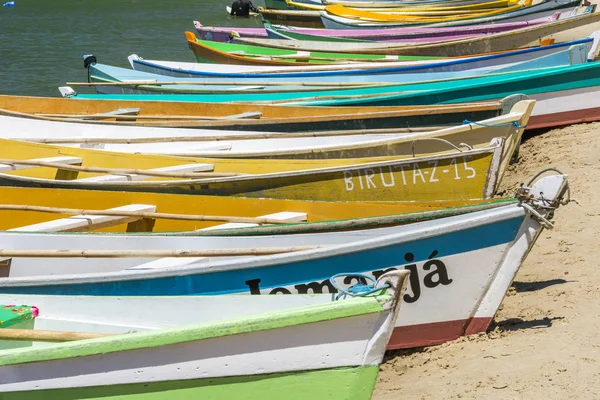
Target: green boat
<point>207,51</point>
<point>201,347</point>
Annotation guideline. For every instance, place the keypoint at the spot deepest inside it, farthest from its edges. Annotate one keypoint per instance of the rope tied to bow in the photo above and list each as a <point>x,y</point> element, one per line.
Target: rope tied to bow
<point>360,289</point>
<point>514,123</point>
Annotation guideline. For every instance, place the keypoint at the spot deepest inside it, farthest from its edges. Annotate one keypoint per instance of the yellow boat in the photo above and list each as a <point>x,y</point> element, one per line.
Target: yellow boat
<point>457,175</point>
<point>379,213</point>
<point>401,8</point>
<point>415,17</point>
<point>392,172</point>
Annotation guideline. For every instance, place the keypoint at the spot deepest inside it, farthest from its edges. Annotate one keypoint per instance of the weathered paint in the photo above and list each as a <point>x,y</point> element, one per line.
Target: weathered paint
<point>177,335</point>
<point>354,383</point>
<point>467,175</point>
<point>317,211</point>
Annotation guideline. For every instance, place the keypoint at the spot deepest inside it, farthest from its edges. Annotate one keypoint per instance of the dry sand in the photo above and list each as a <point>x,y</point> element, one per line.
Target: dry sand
<point>545,341</point>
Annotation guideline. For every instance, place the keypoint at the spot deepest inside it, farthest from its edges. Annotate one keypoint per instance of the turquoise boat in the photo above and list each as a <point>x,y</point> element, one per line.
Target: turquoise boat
<point>564,95</point>
<point>127,81</point>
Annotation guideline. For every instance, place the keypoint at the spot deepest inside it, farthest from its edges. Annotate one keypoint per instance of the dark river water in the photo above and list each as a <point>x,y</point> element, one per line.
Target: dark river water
<point>42,41</point>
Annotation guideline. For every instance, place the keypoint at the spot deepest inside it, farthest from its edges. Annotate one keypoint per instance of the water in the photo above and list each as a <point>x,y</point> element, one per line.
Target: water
<point>42,41</point>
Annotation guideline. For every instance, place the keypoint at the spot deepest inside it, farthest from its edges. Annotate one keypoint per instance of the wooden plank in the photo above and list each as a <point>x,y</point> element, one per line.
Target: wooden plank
<point>245,115</point>
<point>115,113</point>
<point>58,160</point>
<point>150,172</point>
<point>111,253</point>
<point>284,216</point>
<point>79,223</point>
<point>138,177</point>
<point>39,335</point>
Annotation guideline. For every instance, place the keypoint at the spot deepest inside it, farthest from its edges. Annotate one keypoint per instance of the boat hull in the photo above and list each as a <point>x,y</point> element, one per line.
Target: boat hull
<point>339,383</point>
<point>461,267</point>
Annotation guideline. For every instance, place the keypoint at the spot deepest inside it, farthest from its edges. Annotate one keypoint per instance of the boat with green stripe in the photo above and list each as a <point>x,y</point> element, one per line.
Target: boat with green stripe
<point>235,348</point>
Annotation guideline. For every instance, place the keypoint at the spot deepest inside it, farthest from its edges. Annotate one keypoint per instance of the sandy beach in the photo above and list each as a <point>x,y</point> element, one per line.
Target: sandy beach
<point>544,342</point>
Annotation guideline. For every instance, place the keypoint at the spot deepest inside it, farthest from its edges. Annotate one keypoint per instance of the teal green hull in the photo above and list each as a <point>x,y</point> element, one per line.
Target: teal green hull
<point>487,87</point>
<point>342,383</point>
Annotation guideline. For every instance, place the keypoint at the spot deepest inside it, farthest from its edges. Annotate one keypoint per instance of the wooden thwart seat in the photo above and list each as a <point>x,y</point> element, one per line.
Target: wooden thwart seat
<point>58,160</point>
<point>79,223</point>
<point>284,216</point>
<point>138,177</point>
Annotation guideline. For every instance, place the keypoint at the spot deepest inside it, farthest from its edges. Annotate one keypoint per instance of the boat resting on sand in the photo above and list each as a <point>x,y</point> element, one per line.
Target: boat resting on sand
<point>387,34</point>
<point>224,34</point>
<point>565,95</point>
<point>281,177</point>
<point>107,79</point>
<point>461,266</point>
<point>231,53</point>
<point>561,31</point>
<point>25,118</point>
<point>198,354</point>
<point>321,19</point>
<point>335,72</point>
<point>277,146</point>
<point>49,210</point>
<point>426,9</point>
<point>414,16</point>
<point>381,179</point>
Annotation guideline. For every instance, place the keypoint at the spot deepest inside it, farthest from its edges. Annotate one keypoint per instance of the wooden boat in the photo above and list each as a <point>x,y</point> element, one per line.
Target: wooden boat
<point>422,9</point>
<point>527,82</point>
<point>202,354</point>
<point>461,266</point>
<point>325,147</point>
<point>321,19</point>
<point>403,4</point>
<point>230,53</point>
<point>390,34</point>
<point>305,19</point>
<point>333,71</point>
<point>75,120</point>
<point>62,210</point>
<point>415,16</point>
<point>282,5</point>
<point>565,95</point>
<point>107,79</point>
<point>560,30</point>
<point>376,178</point>
<point>110,79</point>
<point>224,34</point>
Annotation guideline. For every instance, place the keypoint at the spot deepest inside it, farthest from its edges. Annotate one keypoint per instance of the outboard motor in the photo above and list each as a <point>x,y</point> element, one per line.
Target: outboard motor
<point>89,59</point>
<point>242,8</point>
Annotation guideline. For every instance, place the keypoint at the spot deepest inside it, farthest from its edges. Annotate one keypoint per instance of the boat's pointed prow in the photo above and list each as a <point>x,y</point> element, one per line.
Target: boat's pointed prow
<point>190,36</point>
<point>132,58</point>
<point>549,190</point>
<point>593,53</point>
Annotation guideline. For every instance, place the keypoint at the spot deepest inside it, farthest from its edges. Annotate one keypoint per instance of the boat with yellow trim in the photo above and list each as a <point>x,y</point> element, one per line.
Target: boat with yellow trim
<point>439,174</point>
<point>400,7</point>
<point>36,206</point>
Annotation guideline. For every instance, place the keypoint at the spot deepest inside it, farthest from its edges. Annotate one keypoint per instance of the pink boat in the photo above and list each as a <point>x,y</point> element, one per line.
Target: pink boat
<point>223,34</point>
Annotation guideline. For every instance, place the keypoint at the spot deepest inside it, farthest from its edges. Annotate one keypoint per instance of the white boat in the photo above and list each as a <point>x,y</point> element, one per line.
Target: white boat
<point>226,347</point>
<point>267,145</point>
<point>461,266</point>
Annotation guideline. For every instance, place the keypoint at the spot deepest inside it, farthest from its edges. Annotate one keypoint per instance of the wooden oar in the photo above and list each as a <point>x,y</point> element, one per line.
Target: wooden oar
<point>171,139</point>
<point>49,336</point>
<point>124,171</point>
<point>148,215</point>
<point>234,252</point>
<point>235,117</point>
<point>229,83</point>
